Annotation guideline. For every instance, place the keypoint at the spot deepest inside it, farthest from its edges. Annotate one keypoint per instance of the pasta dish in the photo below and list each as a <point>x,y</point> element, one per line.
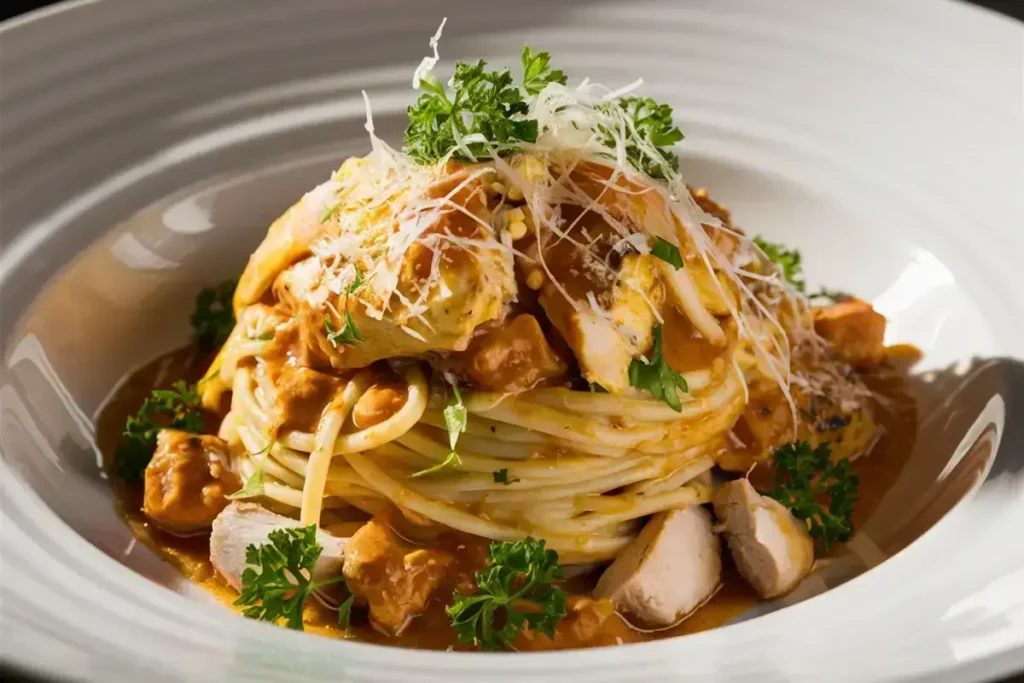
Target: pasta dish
<point>516,381</point>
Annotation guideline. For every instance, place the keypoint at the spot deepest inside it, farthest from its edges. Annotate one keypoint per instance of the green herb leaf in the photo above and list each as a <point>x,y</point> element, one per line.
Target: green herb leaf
<point>652,130</point>
<point>266,336</point>
<point>537,72</point>
<point>254,484</point>
<point>657,377</point>
<point>483,104</point>
<point>347,335</point>
<point>214,316</point>
<point>667,252</point>
<point>453,460</point>
<point>456,418</point>
<point>804,477</point>
<point>278,578</point>
<point>520,573</point>
<point>786,260</point>
<point>596,388</point>
<point>345,614</point>
<point>356,283</point>
<point>501,477</point>
<point>174,408</point>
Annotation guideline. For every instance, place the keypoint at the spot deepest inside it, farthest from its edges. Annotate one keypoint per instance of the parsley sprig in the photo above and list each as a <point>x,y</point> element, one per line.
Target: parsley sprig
<point>483,109</point>
<point>278,578</point>
<point>174,408</point>
<point>804,477</point>
<point>456,419</point>
<point>214,316</point>
<point>788,261</point>
<point>537,71</point>
<point>516,591</point>
<point>652,124</point>
<point>657,377</point>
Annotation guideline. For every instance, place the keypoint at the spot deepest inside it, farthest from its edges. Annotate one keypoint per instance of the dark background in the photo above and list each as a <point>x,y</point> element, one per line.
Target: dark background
<point>12,8</point>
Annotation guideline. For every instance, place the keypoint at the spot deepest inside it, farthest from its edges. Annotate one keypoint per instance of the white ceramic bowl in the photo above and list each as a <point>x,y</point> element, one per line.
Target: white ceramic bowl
<point>146,146</point>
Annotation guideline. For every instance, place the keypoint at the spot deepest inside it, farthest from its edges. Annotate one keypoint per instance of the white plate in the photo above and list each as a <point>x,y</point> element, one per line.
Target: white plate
<point>147,145</point>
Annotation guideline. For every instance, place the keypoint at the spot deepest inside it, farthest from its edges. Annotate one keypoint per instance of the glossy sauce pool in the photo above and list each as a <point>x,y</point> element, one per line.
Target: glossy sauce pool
<point>431,630</point>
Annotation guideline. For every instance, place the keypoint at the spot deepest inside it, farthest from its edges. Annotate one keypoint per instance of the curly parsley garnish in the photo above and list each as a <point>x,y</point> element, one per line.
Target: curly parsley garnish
<point>667,252</point>
<point>657,377</point>
<point>214,316</point>
<point>482,110</point>
<point>804,477</point>
<point>537,71</point>
<point>650,124</point>
<point>786,260</point>
<point>174,408</point>
<point>520,575</point>
<point>278,578</point>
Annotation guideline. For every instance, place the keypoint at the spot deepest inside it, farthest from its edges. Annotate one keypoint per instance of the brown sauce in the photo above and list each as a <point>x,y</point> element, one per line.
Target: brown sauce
<point>432,630</point>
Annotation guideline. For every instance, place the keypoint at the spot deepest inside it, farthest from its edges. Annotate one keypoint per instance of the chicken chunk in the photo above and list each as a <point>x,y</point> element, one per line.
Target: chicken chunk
<point>855,330</point>
<point>395,578</point>
<point>187,480</point>
<point>407,276</point>
<point>770,547</point>
<point>672,567</point>
<point>302,395</point>
<point>287,241</point>
<point>605,341</point>
<point>512,358</point>
<point>243,524</point>
<point>588,622</point>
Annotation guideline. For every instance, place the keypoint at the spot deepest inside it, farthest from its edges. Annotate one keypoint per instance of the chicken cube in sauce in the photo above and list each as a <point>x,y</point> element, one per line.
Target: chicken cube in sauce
<point>588,622</point>
<point>512,358</point>
<point>302,395</point>
<point>668,571</point>
<point>855,330</point>
<point>242,525</point>
<point>771,548</point>
<point>394,577</point>
<point>187,481</point>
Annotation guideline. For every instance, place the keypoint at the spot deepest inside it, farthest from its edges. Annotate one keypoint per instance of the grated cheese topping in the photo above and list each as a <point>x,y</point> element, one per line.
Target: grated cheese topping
<point>578,160</point>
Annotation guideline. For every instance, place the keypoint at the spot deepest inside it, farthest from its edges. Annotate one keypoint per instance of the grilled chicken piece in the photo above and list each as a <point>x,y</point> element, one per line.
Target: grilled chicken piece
<point>512,358</point>
<point>587,621</point>
<point>187,480</point>
<point>243,524</point>
<point>287,242</point>
<point>393,576</point>
<point>302,396</point>
<point>430,267</point>
<point>672,567</point>
<point>770,547</point>
<point>605,341</point>
<point>855,330</point>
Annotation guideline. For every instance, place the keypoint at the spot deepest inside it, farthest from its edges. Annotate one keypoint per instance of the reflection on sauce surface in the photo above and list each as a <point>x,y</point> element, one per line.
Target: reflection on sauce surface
<point>432,629</point>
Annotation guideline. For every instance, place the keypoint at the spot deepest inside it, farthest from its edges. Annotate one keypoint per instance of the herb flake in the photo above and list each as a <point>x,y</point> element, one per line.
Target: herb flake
<point>804,477</point>
<point>657,377</point>
<point>516,591</point>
